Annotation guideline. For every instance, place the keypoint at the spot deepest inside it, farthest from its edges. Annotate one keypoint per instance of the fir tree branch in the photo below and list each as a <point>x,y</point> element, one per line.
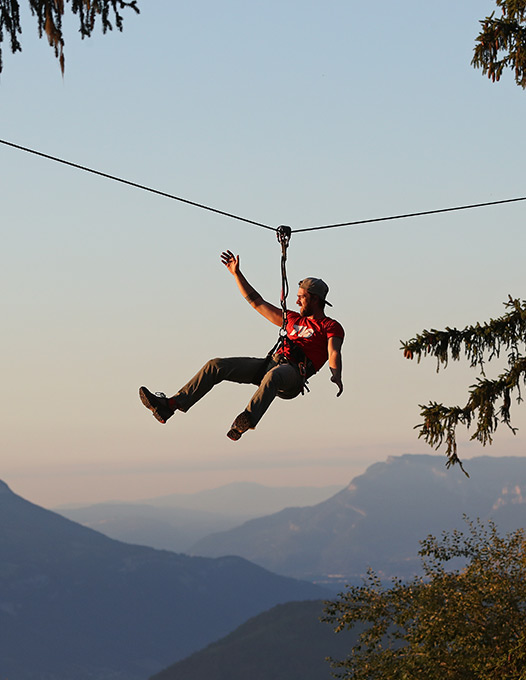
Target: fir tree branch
<point>489,401</point>
<point>10,23</point>
<point>478,341</point>
<point>49,15</point>
<point>440,422</point>
<point>502,42</point>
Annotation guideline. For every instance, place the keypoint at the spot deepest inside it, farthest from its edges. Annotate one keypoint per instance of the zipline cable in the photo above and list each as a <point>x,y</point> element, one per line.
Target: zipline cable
<point>134,184</point>
<point>244,219</point>
<point>416,214</point>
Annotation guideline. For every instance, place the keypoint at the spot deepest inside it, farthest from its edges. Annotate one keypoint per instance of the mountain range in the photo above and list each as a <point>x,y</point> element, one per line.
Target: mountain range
<point>77,605</point>
<point>378,519</point>
<point>176,521</point>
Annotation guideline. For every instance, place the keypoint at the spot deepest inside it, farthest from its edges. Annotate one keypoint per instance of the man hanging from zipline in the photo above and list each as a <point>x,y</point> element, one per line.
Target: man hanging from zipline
<point>309,339</point>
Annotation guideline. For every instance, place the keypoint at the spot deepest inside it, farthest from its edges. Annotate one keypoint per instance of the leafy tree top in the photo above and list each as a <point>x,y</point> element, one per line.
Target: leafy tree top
<point>456,624</point>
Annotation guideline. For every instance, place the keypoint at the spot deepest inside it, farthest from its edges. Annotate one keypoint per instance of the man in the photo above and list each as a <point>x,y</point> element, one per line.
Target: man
<point>312,339</point>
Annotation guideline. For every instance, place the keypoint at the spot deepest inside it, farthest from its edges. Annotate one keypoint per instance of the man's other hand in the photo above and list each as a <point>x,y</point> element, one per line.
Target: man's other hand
<point>230,261</point>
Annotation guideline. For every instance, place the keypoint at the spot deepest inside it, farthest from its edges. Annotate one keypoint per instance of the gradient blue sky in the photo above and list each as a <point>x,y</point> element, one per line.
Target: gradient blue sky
<point>298,113</point>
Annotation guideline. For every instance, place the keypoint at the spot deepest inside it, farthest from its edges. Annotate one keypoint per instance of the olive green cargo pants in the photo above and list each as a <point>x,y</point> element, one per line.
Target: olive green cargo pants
<point>281,379</point>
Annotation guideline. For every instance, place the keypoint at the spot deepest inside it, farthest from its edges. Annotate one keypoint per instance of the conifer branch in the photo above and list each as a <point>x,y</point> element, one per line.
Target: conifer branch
<point>502,42</point>
<point>478,341</point>
<point>49,15</point>
<point>489,401</point>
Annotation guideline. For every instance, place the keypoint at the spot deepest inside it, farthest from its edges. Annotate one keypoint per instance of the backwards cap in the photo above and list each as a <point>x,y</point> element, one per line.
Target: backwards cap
<point>316,287</point>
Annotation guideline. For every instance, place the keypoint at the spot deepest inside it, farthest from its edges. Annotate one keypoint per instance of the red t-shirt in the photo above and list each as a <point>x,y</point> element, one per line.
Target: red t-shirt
<point>312,335</point>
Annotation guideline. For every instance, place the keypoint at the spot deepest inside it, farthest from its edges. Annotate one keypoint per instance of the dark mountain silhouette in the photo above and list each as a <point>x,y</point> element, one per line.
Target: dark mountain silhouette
<point>286,643</point>
<point>379,519</point>
<point>175,522</point>
<point>75,604</point>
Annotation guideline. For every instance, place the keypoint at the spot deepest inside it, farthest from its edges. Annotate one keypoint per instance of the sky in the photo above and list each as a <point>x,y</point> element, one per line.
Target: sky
<point>298,113</point>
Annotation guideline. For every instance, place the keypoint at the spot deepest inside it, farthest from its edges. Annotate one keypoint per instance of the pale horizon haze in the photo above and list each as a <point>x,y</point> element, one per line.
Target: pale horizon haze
<point>297,113</point>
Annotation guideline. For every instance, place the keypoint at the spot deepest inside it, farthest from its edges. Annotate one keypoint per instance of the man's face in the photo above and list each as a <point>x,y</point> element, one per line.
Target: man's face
<point>305,302</point>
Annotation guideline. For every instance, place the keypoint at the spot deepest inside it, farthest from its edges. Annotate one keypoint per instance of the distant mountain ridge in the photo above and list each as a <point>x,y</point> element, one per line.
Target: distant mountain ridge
<point>247,498</point>
<point>379,519</point>
<point>164,528</point>
<point>175,522</point>
<point>77,605</point>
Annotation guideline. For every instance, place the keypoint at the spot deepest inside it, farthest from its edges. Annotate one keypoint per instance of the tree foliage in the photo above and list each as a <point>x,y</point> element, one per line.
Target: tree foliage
<point>489,401</point>
<point>49,14</point>
<point>501,42</point>
<point>463,624</point>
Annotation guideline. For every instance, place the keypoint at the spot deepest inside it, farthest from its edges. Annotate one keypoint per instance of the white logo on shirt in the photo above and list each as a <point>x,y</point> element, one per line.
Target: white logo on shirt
<point>302,331</point>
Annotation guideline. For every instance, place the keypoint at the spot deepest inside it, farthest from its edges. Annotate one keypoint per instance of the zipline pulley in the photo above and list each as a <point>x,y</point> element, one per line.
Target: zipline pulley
<point>283,234</point>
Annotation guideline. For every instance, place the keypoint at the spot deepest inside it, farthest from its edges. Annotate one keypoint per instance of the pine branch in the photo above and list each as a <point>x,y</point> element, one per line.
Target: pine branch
<point>49,15</point>
<point>502,42</point>
<point>440,422</point>
<point>10,23</point>
<point>478,341</point>
<point>489,401</point>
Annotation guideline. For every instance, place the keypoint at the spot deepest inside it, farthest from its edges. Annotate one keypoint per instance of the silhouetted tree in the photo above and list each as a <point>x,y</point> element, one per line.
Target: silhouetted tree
<point>489,401</point>
<point>49,15</point>
<point>460,624</point>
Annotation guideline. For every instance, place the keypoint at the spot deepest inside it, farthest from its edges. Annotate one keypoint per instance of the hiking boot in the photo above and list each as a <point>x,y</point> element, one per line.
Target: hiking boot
<point>157,403</point>
<point>240,425</point>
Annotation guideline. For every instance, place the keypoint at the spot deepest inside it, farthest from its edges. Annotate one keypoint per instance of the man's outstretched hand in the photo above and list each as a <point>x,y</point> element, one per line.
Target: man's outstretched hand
<point>230,261</point>
<point>337,381</point>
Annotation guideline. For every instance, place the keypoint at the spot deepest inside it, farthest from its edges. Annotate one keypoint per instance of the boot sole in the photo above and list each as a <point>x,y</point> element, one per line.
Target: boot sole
<point>146,401</point>
<point>234,435</point>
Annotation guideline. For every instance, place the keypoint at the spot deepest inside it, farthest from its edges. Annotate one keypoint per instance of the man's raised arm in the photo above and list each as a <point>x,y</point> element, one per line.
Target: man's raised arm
<point>270,312</point>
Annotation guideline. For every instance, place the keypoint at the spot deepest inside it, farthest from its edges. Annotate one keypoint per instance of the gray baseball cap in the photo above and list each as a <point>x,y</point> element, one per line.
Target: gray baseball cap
<point>316,287</point>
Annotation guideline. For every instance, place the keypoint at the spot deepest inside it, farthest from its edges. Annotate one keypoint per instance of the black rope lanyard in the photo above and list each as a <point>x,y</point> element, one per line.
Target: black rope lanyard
<point>283,234</point>
<point>285,344</point>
